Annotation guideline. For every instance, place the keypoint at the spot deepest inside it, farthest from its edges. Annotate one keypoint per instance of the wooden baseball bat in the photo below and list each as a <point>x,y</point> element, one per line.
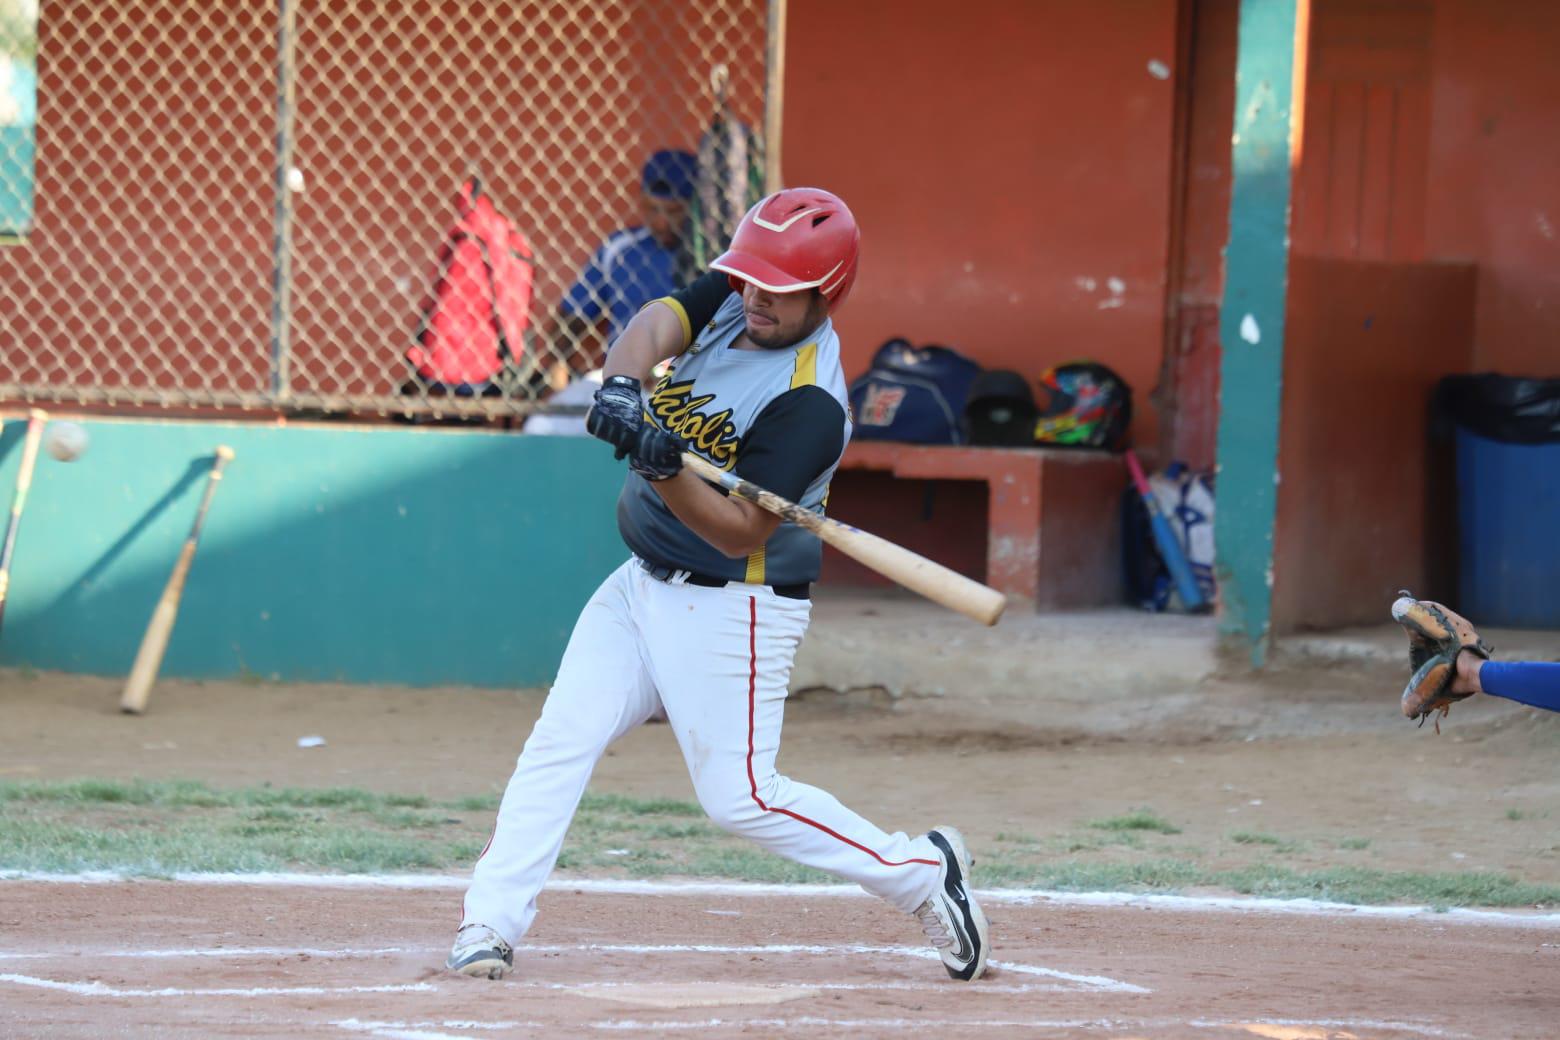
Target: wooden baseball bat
<point>149,658</point>
<point>24,474</point>
<point>916,573</point>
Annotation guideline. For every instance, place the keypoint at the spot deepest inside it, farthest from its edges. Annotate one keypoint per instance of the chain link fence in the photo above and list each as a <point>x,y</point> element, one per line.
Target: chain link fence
<point>269,205</point>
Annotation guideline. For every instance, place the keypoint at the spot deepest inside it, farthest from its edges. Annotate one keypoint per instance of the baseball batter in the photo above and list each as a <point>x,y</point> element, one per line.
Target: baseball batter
<point>704,619</point>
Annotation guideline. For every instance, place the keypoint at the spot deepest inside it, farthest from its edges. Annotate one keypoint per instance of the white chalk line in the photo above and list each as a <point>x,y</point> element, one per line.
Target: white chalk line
<point>1010,896</point>
<point>1098,983</point>
<point>216,951</point>
<point>99,989</point>
<point>425,1030</point>
<point>847,987</point>
<point>927,1023</point>
<point>1337,1023</point>
<point>814,1021</point>
<point>394,1030</point>
<point>418,1030</point>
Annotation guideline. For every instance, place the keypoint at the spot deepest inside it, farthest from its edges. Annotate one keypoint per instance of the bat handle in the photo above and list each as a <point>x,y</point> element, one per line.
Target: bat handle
<point>1140,481</point>
<point>714,474</point>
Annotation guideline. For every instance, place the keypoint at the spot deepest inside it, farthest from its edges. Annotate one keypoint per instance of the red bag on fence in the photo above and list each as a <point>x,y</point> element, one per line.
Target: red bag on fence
<point>475,317</point>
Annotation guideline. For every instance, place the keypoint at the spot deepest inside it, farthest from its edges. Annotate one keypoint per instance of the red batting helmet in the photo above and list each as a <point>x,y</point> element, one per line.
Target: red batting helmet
<point>799,238</point>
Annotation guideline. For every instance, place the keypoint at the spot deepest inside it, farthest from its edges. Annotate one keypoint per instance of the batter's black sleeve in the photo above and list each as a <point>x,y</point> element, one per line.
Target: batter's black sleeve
<point>697,302</point>
<point>793,440</point>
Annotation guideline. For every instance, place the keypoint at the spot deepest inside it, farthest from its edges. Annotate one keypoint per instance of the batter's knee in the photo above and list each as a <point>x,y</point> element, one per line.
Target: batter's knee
<point>732,806</point>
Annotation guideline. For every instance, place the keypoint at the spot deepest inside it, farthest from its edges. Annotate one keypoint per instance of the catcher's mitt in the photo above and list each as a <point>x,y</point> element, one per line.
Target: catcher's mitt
<point>1436,635</point>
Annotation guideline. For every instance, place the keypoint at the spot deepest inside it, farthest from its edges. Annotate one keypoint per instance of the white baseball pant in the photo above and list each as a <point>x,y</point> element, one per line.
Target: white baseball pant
<point>719,661</point>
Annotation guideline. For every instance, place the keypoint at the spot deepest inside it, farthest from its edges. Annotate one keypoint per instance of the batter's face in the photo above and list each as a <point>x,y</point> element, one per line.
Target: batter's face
<point>779,320</point>
<point>665,219</point>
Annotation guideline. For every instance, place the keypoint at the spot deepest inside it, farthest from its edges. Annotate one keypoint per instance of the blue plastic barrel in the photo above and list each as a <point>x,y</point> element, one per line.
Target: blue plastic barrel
<point>1508,509</point>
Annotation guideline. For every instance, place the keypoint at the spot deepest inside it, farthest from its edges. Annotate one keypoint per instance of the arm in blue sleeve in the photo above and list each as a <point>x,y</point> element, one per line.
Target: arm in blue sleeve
<point>1527,682</point>
<point>587,297</point>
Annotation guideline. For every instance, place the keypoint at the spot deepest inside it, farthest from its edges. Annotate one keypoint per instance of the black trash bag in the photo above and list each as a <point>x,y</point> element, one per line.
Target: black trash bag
<point>1511,409</point>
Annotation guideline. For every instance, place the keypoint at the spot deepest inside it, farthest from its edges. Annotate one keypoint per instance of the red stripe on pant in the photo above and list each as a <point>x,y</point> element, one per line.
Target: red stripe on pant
<point>753,782</point>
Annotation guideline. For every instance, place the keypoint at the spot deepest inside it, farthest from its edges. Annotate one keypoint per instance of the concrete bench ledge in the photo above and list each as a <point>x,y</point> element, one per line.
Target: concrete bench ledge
<point>1052,519</point>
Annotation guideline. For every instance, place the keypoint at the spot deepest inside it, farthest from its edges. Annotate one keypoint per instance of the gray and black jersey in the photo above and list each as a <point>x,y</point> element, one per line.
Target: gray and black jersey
<point>778,418</point>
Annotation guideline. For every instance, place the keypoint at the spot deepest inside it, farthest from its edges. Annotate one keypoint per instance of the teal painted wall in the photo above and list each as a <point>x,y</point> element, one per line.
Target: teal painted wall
<point>1251,330</point>
<point>400,555</point>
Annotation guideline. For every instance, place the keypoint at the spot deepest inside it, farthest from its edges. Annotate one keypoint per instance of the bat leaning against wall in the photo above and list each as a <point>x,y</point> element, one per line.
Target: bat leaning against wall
<point>149,658</point>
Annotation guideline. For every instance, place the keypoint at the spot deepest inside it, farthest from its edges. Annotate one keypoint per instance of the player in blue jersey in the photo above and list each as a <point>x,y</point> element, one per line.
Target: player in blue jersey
<point>632,266</point>
<point>705,617</point>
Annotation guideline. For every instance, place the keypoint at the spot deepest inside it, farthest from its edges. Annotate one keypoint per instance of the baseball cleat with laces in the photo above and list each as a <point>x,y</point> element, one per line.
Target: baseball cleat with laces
<point>950,917</point>
<point>481,953</point>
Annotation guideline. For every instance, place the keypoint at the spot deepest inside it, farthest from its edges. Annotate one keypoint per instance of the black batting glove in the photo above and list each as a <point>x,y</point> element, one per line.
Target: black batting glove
<point>657,455</point>
<point>617,415</point>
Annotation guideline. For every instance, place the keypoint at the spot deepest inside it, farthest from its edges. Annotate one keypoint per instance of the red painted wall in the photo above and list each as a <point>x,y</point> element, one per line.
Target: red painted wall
<point>1433,132</point>
<point>1360,189</point>
<point>1005,163</point>
<point>1358,500</point>
<point>1494,183</point>
<point>1189,392</point>
<point>150,256</point>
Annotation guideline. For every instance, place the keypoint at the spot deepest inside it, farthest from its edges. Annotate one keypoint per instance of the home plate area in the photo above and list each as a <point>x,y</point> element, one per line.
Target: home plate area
<point>570,985</point>
<point>171,959</point>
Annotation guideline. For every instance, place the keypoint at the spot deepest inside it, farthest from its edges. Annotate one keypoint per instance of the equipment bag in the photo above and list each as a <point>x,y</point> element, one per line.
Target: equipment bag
<point>912,394</point>
<point>1186,500</point>
<point>474,319</point>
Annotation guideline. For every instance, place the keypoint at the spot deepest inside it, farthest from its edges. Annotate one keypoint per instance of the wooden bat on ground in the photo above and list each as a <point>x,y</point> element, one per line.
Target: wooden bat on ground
<point>1164,538</point>
<point>24,474</point>
<point>916,573</point>
<point>149,658</point>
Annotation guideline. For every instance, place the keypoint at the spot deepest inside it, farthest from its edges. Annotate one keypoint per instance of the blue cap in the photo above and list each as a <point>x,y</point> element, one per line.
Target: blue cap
<point>669,174</point>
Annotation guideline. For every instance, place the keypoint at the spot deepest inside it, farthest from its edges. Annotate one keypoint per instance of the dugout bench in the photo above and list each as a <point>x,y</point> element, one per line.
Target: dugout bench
<point>1052,517</point>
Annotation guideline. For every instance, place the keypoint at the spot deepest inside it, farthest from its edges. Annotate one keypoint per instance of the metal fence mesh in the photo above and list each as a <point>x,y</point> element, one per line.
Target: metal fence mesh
<point>241,203</point>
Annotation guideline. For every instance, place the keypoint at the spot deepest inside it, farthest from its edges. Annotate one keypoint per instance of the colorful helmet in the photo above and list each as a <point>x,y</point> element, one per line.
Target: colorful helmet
<point>799,238</point>
<point>1083,404</point>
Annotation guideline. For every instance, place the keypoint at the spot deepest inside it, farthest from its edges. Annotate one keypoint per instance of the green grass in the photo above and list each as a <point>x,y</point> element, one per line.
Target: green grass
<point>168,826</point>
<point>1095,842</point>
<point>1272,841</point>
<point>1515,814</point>
<point>1332,884</point>
<point>1136,820</point>
<point>162,827</point>
<point>1017,839</point>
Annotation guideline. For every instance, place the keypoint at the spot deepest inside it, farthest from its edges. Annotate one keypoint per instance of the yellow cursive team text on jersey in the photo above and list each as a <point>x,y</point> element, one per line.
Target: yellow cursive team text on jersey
<point>713,436</point>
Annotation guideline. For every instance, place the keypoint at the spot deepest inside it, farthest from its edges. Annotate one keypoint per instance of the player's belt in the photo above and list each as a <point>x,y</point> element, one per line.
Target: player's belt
<point>661,572</point>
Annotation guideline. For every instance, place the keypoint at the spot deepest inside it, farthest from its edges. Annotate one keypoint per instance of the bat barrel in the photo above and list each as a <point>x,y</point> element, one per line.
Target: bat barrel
<point>911,570</point>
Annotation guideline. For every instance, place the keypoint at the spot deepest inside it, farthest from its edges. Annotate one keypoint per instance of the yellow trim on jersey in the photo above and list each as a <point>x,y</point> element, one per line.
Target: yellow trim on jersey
<point>806,367</point>
<point>755,567</point>
<point>682,316</point>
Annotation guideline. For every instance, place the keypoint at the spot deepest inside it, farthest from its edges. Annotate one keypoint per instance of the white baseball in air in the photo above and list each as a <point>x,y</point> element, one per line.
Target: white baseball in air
<point>65,440</point>
<point>294,180</point>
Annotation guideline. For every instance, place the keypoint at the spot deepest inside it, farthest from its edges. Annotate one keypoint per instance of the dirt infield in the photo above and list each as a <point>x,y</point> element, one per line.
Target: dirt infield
<point>1343,765</point>
<point>1309,770</point>
<point>170,959</point>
